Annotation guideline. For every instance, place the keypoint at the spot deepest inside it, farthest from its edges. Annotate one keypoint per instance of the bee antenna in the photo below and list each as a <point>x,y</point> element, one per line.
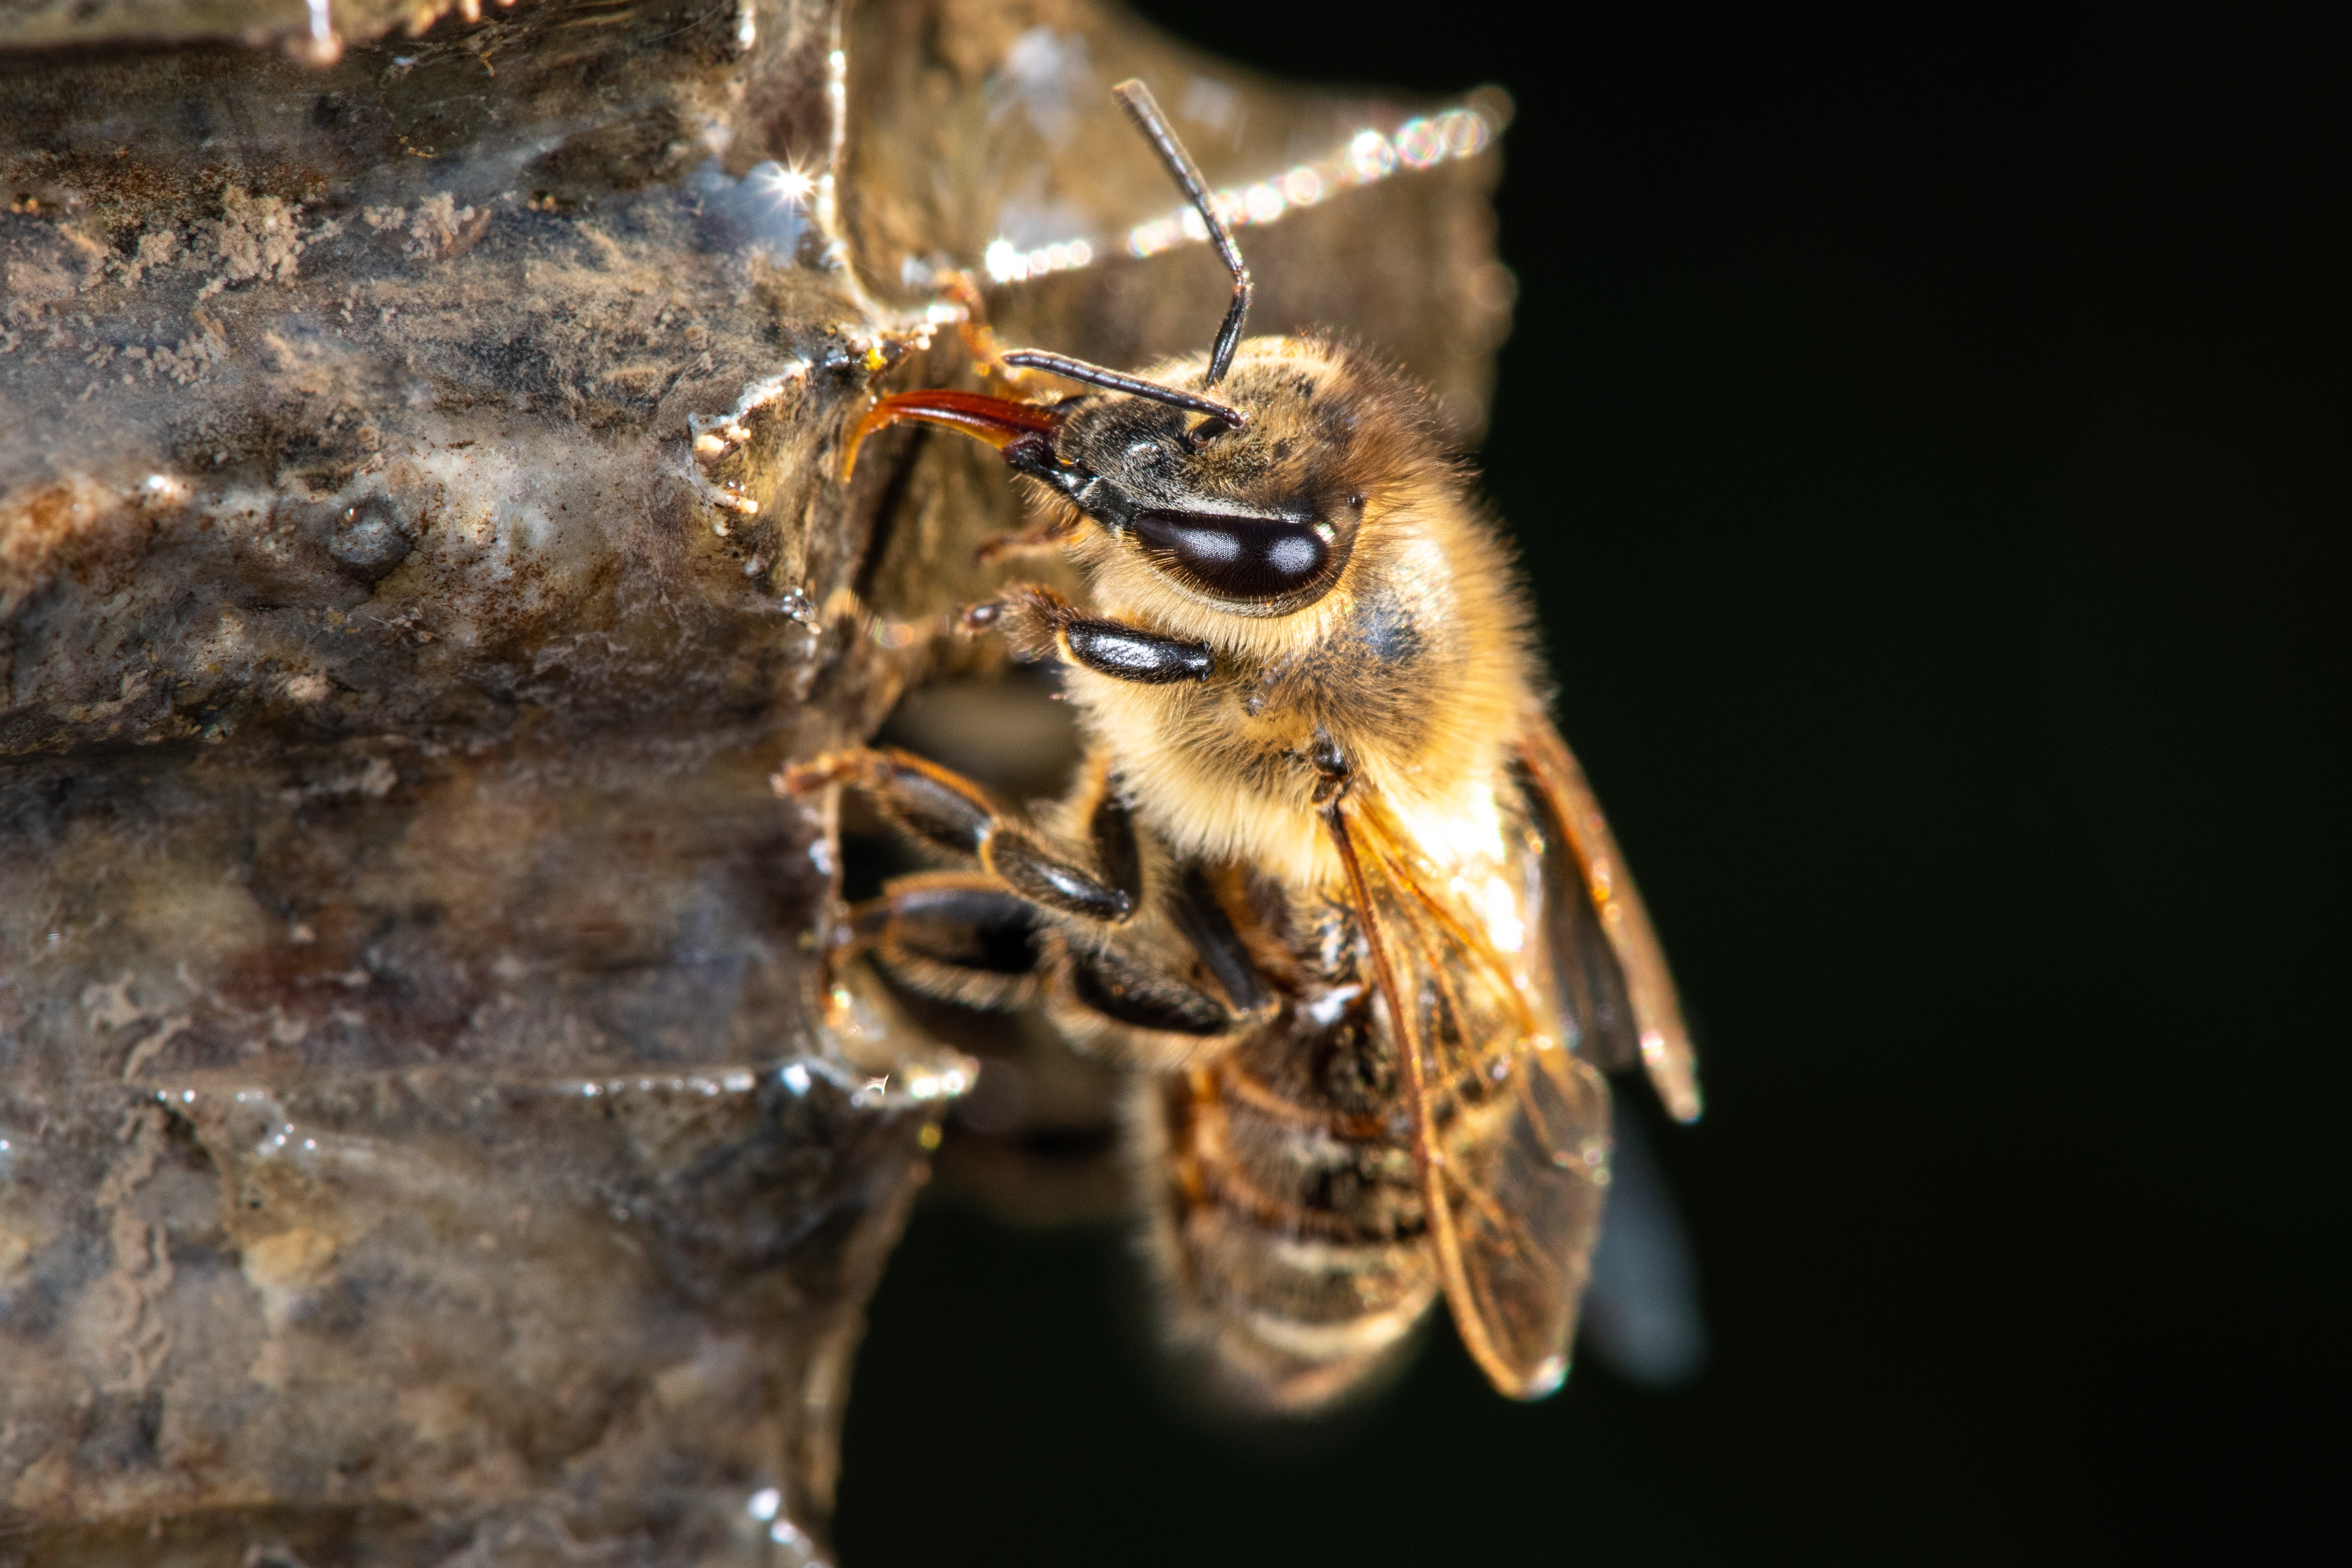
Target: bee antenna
<point>1137,100</point>
<point>1133,386</point>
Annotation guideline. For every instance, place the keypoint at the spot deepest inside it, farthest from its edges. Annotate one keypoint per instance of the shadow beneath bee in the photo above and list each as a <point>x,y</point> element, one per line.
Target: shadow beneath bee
<point>1643,1319</point>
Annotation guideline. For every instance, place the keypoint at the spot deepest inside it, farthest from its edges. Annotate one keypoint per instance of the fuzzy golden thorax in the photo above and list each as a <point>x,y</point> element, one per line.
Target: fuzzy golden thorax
<point>1408,647</point>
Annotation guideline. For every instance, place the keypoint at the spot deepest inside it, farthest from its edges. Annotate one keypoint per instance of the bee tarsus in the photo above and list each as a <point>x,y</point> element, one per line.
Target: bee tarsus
<point>1041,624</point>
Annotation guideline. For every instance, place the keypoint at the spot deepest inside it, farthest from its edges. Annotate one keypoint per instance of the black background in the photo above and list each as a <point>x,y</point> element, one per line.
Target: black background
<point>1928,439</point>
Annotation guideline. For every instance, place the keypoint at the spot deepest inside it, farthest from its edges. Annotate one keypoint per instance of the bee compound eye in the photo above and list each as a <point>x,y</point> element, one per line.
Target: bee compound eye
<point>1235,557</point>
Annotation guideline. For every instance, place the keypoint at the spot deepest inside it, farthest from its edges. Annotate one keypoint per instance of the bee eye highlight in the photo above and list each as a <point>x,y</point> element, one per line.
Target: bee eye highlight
<point>1232,557</point>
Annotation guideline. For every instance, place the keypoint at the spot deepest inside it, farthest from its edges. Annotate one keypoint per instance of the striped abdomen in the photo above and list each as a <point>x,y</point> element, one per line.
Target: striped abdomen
<point>1289,1216</point>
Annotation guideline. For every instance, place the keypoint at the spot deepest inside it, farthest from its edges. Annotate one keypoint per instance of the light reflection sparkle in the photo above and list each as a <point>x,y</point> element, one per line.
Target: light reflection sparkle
<point>1368,157</point>
<point>782,182</point>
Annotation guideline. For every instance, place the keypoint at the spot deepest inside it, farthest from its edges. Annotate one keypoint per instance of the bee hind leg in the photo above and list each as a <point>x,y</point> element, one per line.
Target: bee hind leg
<point>953,936</point>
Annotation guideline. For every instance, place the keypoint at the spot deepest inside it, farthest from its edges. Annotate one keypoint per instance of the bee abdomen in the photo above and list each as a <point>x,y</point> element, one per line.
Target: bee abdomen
<point>1292,1231</point>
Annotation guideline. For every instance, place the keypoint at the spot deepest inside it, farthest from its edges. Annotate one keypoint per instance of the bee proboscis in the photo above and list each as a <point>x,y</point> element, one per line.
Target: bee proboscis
<point>1329,881</point>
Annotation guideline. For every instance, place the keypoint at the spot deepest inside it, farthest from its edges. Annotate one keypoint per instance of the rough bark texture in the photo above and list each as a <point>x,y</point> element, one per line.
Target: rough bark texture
<point>416,487</point>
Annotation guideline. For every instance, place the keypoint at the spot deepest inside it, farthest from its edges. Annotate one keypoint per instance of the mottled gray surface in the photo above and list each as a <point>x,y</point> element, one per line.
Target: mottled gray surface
<point>418,475</point>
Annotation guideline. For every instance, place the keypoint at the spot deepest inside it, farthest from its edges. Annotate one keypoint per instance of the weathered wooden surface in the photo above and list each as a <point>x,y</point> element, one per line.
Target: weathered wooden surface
<point>415,1140</point>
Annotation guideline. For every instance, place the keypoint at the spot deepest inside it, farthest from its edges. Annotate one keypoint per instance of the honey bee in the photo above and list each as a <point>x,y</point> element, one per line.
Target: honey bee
<point>1327,881</point>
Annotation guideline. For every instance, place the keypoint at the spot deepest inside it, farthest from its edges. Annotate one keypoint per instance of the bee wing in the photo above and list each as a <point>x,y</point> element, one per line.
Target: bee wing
<point>1622,924</point>
<point>1510,1129</point>
<point>1589,982</point>
<point>1516,1229</point>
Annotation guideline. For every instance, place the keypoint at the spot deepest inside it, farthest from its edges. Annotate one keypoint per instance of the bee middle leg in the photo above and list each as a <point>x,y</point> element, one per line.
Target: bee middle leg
<point>951,813</point>
<point>961,937</point>
<point>1155,992</point>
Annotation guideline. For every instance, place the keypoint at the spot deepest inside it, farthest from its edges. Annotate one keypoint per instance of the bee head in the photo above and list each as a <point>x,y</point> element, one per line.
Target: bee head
<point>1256,516</point>
<point>1240,477</point>
<point>1258,520</point>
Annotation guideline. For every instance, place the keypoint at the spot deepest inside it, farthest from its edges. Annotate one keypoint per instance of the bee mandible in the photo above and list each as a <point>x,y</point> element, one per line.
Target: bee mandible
<point>1327,880</point>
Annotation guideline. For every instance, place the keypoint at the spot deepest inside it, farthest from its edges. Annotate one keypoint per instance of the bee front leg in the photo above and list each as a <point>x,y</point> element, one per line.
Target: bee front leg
<point>1041,622</point>
<point>951,813</point>
<point>1051,535</point>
